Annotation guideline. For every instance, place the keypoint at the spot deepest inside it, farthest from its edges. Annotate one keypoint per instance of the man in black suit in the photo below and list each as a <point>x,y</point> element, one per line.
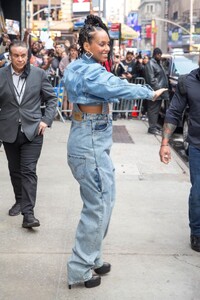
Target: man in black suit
<point>22,126</point>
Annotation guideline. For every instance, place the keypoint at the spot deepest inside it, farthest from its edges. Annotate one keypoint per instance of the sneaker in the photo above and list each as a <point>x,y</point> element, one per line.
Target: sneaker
<point>65,117</point>
<point>154,131</point>
<point>123,115</point>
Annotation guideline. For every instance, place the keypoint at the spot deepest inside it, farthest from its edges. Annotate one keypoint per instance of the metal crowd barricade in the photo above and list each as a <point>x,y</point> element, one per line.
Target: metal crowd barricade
<point>59,91</point>
<point>132,108</point>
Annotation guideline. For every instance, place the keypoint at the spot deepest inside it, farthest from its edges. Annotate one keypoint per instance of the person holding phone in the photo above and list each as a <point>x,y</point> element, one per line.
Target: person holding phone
<point>130,67</point>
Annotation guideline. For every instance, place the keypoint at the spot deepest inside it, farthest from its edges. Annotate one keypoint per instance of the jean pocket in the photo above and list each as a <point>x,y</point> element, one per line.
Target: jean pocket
<point>101,125</point>
<point>77,165</point>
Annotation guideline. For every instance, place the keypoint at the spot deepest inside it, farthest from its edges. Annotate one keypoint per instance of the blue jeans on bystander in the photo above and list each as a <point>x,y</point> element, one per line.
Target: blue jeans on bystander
<point>194,197</point>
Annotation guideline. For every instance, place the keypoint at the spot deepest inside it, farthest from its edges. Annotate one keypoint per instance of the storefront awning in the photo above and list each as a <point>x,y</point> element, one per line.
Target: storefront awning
<point>196,47</point>
<point>127,33</point>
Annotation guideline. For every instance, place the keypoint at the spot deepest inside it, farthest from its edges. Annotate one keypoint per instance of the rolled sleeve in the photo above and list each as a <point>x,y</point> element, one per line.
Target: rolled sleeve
<point>100,82</point>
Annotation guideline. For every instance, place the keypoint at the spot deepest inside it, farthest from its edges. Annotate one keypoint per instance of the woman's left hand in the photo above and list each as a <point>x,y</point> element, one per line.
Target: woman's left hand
<point>158,93</point>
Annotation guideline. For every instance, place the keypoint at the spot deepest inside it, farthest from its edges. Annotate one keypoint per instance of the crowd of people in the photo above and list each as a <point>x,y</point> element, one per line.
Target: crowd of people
<point>54,57</point>
<point>150,69</point>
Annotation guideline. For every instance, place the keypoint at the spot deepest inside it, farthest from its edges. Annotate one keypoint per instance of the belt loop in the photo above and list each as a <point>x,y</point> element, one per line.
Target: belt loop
<point>78,116</point>
<point>105,108</point>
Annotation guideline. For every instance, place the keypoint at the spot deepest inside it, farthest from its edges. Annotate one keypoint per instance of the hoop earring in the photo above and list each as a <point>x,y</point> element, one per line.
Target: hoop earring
<point>88,54</point>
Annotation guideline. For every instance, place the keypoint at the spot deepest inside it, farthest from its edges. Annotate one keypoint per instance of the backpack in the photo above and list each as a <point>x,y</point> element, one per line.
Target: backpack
<point>181,84</point>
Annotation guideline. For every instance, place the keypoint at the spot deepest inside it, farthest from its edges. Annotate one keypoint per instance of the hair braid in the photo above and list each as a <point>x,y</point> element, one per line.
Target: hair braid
<point>91,25</point>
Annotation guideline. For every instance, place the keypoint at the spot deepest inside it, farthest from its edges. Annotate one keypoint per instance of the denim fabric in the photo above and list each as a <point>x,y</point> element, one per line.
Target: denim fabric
<point>88,82</point>
<point>89,145</point>
<point>194,197</point>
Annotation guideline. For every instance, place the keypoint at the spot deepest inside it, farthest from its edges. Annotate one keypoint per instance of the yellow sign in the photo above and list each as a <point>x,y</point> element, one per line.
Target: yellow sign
<point>60,15</point>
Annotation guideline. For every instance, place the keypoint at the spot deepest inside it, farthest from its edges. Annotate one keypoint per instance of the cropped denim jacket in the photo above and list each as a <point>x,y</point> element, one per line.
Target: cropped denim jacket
<point>88,82</point>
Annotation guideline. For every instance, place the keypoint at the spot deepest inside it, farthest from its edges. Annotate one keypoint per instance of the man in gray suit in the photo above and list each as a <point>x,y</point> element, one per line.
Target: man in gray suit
<point>22,125</point>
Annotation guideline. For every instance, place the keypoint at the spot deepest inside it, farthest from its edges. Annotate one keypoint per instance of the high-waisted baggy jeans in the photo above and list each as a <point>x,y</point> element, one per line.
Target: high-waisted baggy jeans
<point>89,145</point>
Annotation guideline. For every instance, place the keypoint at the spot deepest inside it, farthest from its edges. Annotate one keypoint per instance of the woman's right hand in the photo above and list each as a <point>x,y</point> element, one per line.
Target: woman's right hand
<point>158,93</point>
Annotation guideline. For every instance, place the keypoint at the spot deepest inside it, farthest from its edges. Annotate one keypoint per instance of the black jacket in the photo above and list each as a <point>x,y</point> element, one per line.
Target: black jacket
<point>156,77</point>
<point>190,99</point>
<point>117,71</point>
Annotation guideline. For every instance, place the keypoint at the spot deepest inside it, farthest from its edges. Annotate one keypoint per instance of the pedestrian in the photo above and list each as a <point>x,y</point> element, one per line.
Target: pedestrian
<point>189,97</point>
<point>73,55</point>
<point>91,88</point>
<point>155,76</point>
<point>144,102</point>
<point>129,63</point>
<point>22,126</point>
<point>117,69</point>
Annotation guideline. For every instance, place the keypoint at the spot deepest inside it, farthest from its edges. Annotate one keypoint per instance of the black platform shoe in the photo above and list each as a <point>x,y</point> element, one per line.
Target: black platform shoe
<point>93,282</point>
<point>103,269</point>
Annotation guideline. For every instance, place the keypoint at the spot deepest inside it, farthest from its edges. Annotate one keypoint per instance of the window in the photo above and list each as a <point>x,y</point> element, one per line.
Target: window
<point>42,15</point>
<point>175,15</point>
<point>35,9</point>
<point>150,8</point>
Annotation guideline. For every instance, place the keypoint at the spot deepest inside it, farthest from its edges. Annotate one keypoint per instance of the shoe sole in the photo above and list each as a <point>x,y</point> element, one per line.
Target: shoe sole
<point>195,249</point>
<point>160,134</point>
<point>105,270</point>
<point>13,215</point>
<point>30,225</point>
<point>91,284</point>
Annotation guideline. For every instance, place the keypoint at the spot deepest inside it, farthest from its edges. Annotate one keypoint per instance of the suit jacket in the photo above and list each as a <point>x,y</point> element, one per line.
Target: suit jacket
<point>38,89</point>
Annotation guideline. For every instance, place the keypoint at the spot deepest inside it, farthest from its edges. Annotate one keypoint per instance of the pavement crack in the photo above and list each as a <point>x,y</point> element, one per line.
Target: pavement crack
<point>179,258</point>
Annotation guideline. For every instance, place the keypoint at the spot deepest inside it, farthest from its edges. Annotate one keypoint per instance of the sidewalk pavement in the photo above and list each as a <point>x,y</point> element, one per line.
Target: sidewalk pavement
<point>148,241</point>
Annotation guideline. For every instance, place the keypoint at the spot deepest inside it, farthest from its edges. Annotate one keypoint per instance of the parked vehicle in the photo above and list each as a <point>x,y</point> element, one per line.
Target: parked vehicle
<point>176,65</point>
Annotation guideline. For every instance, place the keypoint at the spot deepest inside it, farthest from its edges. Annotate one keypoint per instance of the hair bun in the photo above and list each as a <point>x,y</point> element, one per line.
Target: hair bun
<point>93,20</point>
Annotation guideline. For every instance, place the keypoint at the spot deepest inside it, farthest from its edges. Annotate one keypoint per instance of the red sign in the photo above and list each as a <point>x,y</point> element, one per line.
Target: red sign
<point>148,31</point>
<point>115,27</point>
<point>81,6</point>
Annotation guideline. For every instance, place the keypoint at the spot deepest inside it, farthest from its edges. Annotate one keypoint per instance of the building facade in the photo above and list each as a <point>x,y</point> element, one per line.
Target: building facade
<point>154,31</point>
<point>185,13</point>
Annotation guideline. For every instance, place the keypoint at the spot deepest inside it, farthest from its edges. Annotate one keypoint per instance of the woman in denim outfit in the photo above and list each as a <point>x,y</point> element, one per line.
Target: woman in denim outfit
<point>91,88</point>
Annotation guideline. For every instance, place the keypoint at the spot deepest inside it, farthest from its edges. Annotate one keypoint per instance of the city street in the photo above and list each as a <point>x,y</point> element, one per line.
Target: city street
<point>148,241</point>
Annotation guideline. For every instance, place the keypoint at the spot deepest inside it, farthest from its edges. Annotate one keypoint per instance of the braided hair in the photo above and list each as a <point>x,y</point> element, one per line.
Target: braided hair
<point>92,24</point>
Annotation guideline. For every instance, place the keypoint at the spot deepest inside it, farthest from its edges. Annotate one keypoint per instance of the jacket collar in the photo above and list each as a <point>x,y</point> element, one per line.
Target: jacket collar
<point>88,60</point>
<point>198,74</point>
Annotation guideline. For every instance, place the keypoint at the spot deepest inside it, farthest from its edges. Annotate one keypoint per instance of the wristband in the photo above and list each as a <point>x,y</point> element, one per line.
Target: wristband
<point>164,145</point>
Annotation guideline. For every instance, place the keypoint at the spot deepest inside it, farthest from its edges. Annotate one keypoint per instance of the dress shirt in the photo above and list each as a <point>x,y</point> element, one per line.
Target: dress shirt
<point>19,87</point>
<point>19,84</point>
